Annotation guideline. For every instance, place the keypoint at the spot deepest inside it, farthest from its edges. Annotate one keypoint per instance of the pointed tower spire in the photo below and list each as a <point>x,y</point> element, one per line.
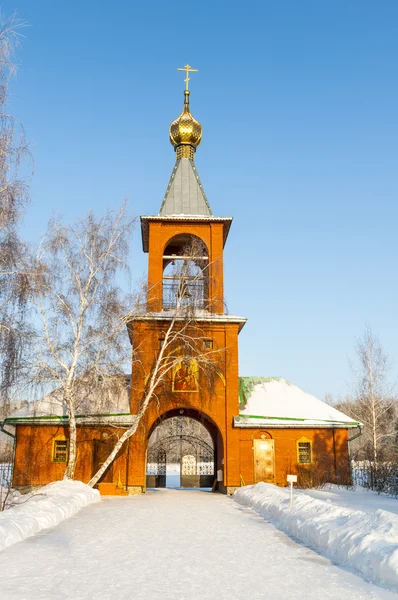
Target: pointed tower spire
<point>185,194</point>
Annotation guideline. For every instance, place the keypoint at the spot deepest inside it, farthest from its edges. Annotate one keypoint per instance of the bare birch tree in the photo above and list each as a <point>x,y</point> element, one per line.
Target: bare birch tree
<point>374,404</point>
<point>81,343</point>
<point>182,342</point>
<point>13,197</point>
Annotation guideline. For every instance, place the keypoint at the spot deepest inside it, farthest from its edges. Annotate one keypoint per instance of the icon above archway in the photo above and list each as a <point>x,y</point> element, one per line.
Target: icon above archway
<point>185,376</point>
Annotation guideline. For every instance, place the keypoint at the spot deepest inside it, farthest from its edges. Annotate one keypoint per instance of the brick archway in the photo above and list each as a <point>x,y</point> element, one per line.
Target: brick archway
<point>184,449</point>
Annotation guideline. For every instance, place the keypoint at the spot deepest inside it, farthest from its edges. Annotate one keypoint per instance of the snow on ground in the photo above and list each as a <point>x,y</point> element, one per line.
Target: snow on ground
<point>173,545</point>
<point>357,498</point>
<point>333,524</point>
<point>39,510</point>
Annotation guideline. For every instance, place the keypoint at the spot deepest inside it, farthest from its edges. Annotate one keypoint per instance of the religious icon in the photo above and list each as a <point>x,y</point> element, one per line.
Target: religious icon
<point>185,376</point>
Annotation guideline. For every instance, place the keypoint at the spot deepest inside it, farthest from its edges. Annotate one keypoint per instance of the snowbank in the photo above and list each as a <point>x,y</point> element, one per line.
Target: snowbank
<point>367,542</point>
<point>357,498</point>
<point>48,507</point>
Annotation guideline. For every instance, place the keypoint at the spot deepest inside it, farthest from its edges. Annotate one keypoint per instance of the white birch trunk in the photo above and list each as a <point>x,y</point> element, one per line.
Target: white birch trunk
<point>70,469</point>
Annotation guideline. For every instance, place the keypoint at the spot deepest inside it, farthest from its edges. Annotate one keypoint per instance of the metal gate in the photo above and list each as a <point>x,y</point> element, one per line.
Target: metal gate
<point>189,476</point>
<point>198,471</point>
<point>179,442</point>
<point>156,469</point>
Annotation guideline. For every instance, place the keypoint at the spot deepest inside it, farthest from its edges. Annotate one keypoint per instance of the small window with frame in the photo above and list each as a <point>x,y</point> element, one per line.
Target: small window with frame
<point>304,451</point>
<point>60,451</point>
<point>208,344</point>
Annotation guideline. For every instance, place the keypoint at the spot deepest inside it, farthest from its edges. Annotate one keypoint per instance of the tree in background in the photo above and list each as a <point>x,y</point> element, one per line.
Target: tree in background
<point>374,404</point>
<point>14,282</point>
<point>80,345</point>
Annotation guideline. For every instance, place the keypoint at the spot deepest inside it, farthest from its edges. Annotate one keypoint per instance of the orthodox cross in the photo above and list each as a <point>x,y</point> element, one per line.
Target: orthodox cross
<point>188,69</point>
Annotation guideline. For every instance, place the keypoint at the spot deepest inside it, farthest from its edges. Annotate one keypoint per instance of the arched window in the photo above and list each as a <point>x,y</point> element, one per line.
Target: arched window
<point>185,272</point>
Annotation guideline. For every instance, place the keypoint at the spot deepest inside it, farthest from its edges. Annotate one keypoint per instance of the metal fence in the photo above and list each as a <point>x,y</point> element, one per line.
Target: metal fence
<point>381,477</point>
<point>5,474</point>
<point>188,292</point>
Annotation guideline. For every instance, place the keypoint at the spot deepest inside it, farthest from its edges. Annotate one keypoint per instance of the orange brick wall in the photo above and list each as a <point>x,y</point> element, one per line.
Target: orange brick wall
<point>34,466</point>
<point>216,401</point>
<point>160,232</point>
<point>329,448</point>
<point>33,454</point>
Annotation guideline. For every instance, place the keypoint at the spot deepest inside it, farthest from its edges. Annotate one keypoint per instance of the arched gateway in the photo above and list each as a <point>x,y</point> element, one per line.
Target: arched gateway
<point>183,449</point>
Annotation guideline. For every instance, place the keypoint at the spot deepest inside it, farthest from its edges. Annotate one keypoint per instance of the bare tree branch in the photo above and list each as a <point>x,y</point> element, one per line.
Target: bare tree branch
<point>81,344</point>
<point>14,156</point>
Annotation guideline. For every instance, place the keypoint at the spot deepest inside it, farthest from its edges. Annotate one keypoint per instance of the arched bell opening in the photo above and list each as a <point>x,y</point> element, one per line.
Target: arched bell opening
<point>184,451</point>
<point>185,272</point>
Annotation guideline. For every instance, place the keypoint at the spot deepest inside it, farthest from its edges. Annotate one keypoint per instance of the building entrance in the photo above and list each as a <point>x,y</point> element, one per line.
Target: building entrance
<point>181,454</point>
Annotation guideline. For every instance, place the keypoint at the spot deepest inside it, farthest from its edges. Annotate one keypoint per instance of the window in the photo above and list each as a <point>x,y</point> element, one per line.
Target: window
<point>304,451</point>
<point>60,451</point>
<point>208,344</point>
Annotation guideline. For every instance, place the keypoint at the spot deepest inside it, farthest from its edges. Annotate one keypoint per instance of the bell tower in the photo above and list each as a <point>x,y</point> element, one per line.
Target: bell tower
<point>185,244</point>
<point>185,223</point>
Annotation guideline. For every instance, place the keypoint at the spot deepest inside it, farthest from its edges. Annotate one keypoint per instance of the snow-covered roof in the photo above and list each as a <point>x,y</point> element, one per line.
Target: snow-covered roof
<point>264,401</point>
<point>97,403</point>
<point>274,401</point>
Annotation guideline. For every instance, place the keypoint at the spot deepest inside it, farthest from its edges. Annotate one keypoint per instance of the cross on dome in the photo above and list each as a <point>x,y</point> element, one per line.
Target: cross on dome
<point>185,131</point>
<point>188,69</point>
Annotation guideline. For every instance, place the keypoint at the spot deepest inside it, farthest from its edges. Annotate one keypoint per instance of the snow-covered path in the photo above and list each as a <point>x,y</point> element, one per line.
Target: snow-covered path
<point>179,545</point>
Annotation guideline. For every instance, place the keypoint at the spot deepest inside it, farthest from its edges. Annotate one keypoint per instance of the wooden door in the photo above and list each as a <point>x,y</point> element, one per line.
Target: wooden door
<point>102,449</point>
<point>264,461</point>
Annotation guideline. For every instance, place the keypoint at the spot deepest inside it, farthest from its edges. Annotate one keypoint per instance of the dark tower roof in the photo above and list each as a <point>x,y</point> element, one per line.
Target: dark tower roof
<point>185,194</point>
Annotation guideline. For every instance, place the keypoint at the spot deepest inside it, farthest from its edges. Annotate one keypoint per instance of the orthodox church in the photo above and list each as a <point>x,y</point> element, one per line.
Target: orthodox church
<point>220,433</point>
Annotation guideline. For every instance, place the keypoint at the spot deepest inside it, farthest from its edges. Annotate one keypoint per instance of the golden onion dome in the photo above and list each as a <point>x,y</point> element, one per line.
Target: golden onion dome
<point>185,132</point>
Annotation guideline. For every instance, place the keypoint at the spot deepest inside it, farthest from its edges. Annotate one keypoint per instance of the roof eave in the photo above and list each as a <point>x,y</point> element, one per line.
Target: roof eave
<point>145,219</point>
<point>242,422</point>
<point>122,419</point>
<point>211,317</point>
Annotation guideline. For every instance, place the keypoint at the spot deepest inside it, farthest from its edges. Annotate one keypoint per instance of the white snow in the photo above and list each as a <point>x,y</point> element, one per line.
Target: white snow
<point>102,401</point>
<point>173,545</point>
<point>335,526</point>
<point>276,397</point>
<point>357,498</point>
<point>42,509</point>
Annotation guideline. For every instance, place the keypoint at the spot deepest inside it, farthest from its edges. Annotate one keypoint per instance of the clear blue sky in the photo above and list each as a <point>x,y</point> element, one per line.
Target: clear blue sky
<point>298,102</point>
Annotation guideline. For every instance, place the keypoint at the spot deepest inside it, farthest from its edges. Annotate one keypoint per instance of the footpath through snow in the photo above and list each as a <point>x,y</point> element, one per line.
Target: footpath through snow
<point>366,540</point>
<point>39,510</point>
<point>173,545</point>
